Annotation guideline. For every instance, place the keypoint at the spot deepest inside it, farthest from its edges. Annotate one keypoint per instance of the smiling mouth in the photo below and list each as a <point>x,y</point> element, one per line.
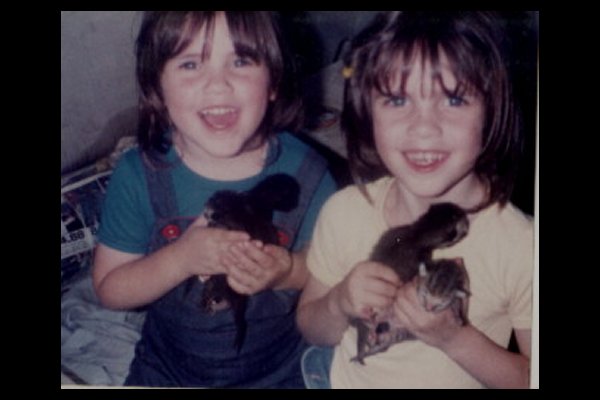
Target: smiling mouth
<point>219,118</point>
<point>425,160</point>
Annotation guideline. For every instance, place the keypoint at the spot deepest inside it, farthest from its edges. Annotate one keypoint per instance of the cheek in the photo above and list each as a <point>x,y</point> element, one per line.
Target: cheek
<point>174,96</point>
<point>470,133</point>
<point>476,139</point>
<point>257,98</point>
<point>473,141</point>
<point>384,143</point>
<point>382,134</point>
<point>259,90</point>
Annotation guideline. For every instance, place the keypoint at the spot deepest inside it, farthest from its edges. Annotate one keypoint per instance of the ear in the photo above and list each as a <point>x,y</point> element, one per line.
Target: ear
<point>272,95</point>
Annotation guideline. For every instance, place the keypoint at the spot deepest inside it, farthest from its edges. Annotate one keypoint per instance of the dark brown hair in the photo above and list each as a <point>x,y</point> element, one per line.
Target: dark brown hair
<point>474,43</point>
<point>255,34</point>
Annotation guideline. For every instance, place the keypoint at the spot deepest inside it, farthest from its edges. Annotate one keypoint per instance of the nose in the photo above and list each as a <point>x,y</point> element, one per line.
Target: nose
<point>216,81</point>
<point>425,122</point>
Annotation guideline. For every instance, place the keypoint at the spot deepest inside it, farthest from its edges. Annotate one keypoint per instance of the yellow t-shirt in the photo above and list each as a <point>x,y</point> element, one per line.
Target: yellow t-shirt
<point>498,255</point>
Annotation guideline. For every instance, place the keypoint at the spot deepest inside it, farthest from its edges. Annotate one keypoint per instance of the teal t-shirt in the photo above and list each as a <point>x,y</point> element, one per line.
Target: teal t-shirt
<point>127,217</point>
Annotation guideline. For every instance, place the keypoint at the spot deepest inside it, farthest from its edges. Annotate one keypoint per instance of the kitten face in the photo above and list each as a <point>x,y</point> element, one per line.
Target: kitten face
<point>455,232</point>
<point>443,225</point>
<point>441,283</point>
<point>228,210</point>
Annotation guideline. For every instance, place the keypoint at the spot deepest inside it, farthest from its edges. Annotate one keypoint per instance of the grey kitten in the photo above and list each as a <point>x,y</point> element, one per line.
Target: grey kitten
<point>408,250</point>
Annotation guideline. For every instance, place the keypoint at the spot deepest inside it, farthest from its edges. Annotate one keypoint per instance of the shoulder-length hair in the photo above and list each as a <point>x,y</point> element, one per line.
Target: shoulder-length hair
<point>255,34</point>
<point>474,43</point>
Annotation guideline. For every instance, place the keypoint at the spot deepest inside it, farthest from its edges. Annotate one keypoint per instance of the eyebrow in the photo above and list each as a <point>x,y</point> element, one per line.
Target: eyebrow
<point>189,55</point>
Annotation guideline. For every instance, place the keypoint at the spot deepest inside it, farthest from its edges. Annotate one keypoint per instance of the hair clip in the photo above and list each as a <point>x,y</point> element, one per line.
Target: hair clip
<point>347,72</point>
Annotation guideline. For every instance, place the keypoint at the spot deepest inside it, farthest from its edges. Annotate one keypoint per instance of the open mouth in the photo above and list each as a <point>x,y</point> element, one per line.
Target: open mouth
<point>425,161</point>
<point>220,117</point>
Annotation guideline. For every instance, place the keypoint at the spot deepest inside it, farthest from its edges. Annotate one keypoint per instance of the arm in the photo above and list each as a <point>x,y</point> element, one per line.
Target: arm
<point>318,308</point>
<point>124,280</point>
<point>296,275</point>
<point>489,363</point>
<point>324,312</point>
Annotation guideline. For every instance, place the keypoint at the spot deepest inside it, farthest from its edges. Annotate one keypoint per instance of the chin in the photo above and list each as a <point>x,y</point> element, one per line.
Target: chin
<point>422,188</point>
<point>225,152</point>
<point>224,147</point>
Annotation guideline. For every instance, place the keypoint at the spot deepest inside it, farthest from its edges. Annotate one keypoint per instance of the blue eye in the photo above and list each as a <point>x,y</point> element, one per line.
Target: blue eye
<point>242,62</point>
<point>456,101</point>
<point>395,101</point>
<point>188,65</point>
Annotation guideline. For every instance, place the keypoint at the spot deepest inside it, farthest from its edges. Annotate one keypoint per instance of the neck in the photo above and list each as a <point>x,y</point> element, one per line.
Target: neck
<point>403,207</point>
<point>245,164</point>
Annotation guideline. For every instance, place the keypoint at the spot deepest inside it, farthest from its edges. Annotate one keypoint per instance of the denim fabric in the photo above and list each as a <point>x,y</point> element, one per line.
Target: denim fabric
<point>183,346</point>
<point>316,363</point>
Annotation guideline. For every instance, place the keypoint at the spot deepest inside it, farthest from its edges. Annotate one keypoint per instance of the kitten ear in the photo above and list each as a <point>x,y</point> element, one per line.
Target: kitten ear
<point>422,270</point>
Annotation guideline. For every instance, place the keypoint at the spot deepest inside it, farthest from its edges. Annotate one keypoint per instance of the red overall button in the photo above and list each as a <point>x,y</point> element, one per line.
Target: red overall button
<point>171,232</point>
<point>284,238</point>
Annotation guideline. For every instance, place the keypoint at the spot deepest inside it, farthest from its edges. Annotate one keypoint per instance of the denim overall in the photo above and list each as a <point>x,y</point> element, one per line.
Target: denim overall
<point>183,346</point>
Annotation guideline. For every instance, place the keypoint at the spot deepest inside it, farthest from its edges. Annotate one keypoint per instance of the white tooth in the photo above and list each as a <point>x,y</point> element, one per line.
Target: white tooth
<point>218,111</point>
<point>425,158</point>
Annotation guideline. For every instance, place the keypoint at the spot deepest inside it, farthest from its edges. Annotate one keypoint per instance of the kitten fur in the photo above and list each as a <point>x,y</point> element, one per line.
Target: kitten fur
<point>251,212</point>
<point>408,249</point>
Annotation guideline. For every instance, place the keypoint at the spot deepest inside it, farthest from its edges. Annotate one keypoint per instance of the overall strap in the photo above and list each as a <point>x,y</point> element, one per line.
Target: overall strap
<point>161,191</point>
<point>309,175</point>
<point>168,224</point>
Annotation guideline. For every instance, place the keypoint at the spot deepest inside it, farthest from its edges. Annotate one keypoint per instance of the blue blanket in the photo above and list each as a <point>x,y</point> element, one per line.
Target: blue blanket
<point>97,344</point>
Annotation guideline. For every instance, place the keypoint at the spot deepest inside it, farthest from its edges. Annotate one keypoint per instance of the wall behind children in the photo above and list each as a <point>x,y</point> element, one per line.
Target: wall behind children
<point>98,87</point>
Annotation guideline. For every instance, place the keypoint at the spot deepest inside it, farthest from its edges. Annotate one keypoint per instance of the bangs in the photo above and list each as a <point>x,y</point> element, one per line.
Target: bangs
<point>395,63</point>
<point>252,35</point>
<point>186,31</point>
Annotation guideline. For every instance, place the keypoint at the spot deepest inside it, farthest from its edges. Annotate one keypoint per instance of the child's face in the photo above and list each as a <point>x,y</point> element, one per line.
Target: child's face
<point>426,138</point>
<point>217,103</point>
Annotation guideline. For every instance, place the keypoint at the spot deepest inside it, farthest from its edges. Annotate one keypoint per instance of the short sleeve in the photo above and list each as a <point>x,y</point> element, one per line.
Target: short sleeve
<point>521,259</point>
<point>324,259</point>
<point>126,219</point>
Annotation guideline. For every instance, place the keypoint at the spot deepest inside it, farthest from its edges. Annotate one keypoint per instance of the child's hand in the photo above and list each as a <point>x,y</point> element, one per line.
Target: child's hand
<point>368,288</point>
<point>253,266</point>
<point>435,329</point>
<point>202,248</point>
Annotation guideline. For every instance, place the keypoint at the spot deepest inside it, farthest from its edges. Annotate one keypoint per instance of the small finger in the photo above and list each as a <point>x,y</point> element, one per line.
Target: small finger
<point>250,257</point>
<point>236,236</point>
<point>237,286</point>
<point>257,243</point>
<point>241,282</point>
